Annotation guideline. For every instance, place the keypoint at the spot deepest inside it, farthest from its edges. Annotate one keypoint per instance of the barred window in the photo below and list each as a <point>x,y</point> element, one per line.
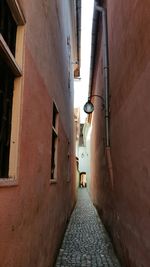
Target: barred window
<point>10,18</point>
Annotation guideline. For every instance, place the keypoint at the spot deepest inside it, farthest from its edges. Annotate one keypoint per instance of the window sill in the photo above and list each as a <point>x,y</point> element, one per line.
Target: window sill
<point>53,181</point>
<point>8,182</point>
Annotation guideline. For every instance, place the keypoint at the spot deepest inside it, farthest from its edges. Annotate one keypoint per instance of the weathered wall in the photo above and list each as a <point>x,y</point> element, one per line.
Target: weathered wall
<point>34,213</point>
<point>125,208</point>
<point>87,139</point>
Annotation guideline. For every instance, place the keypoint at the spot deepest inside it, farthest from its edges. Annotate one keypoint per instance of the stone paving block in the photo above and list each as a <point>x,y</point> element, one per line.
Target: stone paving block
<point>86,242</point>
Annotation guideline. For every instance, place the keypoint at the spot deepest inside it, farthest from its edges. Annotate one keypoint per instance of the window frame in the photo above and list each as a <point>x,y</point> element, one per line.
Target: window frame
<point>16,65</point>
<point>54,155</point>
<point>68,164</point>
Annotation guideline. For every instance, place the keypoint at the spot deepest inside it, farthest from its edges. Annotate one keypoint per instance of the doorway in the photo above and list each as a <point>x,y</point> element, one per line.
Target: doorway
<point>83,181</point>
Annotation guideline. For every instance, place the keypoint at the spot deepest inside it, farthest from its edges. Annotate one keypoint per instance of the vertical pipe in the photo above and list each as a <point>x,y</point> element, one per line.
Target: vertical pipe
<point>106,85</point>
<point>106,70</point>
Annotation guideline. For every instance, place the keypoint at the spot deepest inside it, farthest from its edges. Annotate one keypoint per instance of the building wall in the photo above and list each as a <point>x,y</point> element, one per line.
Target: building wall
<point>124,204</point>
<point>77,136</point>
<point>84,152</point>
<point>34,213</point>
<point>87,141</point>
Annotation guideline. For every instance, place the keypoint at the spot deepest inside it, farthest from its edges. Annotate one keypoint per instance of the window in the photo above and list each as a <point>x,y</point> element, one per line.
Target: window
<point>54,143</point>
<point>81,141</point>
<point>8,26</point>
<point>68,163</point>
<point>6,95</point>
<point>11,37</point>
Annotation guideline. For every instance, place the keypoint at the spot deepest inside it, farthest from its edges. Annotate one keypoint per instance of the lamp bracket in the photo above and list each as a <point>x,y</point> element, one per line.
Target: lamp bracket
<point>103,102</point>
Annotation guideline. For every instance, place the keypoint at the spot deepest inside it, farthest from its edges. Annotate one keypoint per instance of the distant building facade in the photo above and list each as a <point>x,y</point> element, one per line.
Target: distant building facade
<point>83,150</point>
<point>120,182</point>
<point>39,56</point>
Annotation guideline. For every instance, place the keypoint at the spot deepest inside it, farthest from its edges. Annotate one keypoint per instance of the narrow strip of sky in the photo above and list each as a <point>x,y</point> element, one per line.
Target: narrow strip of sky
<point>82,86</point>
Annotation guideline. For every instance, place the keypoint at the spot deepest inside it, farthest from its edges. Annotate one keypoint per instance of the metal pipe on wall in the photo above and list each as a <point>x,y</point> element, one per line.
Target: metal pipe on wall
<point>106,69</point>
<point>103,12</point>
<point>106,86</point>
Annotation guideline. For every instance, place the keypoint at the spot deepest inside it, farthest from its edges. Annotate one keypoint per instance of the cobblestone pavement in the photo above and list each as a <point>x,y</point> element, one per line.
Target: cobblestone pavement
<point>86,243</point>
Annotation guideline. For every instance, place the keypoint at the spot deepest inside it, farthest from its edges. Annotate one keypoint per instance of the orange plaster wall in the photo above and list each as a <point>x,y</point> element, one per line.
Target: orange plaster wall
<point>125,208</point>
<point>33,214</point>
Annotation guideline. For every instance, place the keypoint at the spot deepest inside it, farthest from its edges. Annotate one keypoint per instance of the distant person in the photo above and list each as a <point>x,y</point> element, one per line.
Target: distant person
<point>83,180</point>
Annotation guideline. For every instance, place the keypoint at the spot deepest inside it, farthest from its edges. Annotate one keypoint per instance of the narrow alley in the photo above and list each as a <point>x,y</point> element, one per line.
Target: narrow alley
<point>86,242</point>
<point>74,119</point>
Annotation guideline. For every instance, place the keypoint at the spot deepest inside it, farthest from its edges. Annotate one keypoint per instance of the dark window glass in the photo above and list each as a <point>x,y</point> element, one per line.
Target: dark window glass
<point>8,26</point>
<point>55,113</point>
<point>6,96</point>
<point>53,159</point>
<point>8,29</point>
<point>54,142</point>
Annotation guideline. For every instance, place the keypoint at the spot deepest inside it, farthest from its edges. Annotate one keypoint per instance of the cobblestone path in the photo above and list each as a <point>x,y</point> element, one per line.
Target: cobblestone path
<point>86,243</point>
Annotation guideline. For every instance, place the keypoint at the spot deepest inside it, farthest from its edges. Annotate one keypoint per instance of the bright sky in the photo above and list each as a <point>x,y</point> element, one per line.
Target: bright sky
<point>82,86</point>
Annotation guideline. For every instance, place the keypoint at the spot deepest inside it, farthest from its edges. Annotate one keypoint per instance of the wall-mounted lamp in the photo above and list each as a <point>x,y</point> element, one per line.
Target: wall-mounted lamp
<point>89,107</point>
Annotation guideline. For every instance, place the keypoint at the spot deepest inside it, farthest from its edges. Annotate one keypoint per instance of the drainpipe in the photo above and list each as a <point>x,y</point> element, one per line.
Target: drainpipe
<point>106,69</point>
<point>78,12</point>
<point>106,86</point>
